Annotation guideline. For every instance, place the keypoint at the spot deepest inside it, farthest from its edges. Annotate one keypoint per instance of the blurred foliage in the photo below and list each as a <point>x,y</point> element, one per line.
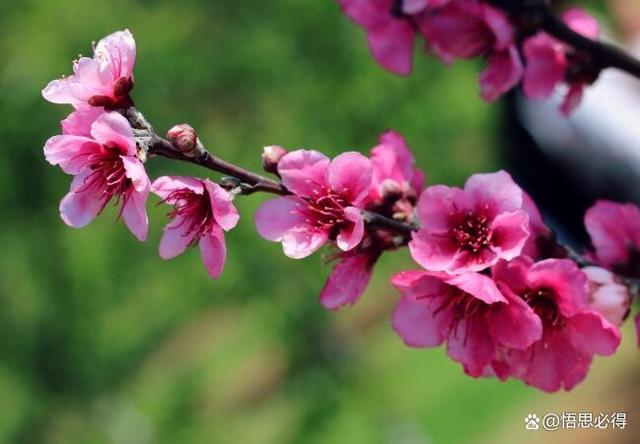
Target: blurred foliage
<point>103,342</point>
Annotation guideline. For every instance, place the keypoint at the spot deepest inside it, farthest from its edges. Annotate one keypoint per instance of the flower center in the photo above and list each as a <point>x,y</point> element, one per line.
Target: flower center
<point>472,234</point>
<point>327,210</point>
<point>462,305</point>
<point>543,303</point>
<point>108,177</point>
<point>194,210</point>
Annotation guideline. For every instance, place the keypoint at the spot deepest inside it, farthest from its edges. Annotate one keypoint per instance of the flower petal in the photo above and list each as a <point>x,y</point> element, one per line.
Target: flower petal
<point>134,213</point>
<point>165,185</point>
<point>112,128</point>
<point>304,171</point>
<point>350,175</point>
<point>352,235</point>
<point>175,239</point>
<point>276,217</point>
<point>213,251</point>
<point>81,205</point>
<point>418,324</point>
<point>70,152</point>
<point>224,212</point>
<point>347,281</point>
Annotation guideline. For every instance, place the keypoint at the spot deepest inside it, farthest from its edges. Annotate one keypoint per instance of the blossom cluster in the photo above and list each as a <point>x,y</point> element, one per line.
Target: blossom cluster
<point>467,29</point>
<point>99,149</point>
<point>495,285</point>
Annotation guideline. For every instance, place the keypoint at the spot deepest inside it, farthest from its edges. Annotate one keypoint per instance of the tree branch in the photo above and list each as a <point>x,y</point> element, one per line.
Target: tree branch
<point>538,15</point>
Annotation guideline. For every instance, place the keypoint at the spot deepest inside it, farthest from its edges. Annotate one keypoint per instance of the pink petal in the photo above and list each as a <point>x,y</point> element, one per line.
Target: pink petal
<point>472,346</point>
<point>613,227</point>
<point>366,13</point>
<point>350,175</point>
<point>224,211</point>
<point>391,44</point>
<point>438,205</point>
<point>134,214</point>
<point>496,191</point>
<point>593,334</point>
<point>61,91</point>
<point>504,71</point>
<point>457,31</point>
<point>555,364</point>
<point>352,235</point>
<point>581,22</point>
<point>112,128</point>
<point>546,66</point>
<point>432,252</point>
<point>136,172</point>
<point>79,122</point>
<point>477,285</point>
<point>419,325</point>
<point>70,152</point>
<point>410,7</point>
<point>501,27</point>
<point>89,81</point>
<point>276,217</point>
<point>347,281</point>
<point>304,172</point>
<point>418,285</point>
<point>81,205</point>
<point>175,239</point>
<point>301,242</point>
<point>509,234</point>
<point>213,251</point>
<point>120,49</point>
<point>514,324</point>
<point>606,296</point>
<point>165,185</point>
<point>572,99</point>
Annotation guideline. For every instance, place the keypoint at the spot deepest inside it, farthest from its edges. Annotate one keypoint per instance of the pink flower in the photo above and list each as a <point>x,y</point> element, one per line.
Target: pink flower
<point>390,32</point>
<point>349,278</point>
<point>202,211</point>
<point>607,296</point>
<point>467,311</point>
<point>471,229</point>
<point>105,166</point>
<point>104,80</point>
<point>395,177</point>
<point>615,234</point>
<point>465,29</point>
<point>393,193</point>
<point>325,205</point>
<point>557,291</point>
<point>549,62</point>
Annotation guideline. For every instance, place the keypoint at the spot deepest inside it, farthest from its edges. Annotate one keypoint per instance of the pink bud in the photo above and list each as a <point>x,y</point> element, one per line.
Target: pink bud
<point>184,139</point>
<point>271,155</point>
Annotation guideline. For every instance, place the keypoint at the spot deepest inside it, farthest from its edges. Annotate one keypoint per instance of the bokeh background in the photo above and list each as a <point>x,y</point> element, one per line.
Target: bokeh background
<point>101,341</point>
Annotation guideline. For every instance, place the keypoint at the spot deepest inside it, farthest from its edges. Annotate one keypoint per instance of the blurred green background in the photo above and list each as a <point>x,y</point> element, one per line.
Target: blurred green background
<point>101,341</point>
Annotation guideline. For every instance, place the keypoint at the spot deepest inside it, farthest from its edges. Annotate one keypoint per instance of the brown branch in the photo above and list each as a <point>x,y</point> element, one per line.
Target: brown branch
<point>538,15</point>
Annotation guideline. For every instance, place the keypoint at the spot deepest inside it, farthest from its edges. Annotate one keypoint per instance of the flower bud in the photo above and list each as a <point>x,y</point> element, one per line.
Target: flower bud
<point>606,295</point>
<point>271,155</point>
<point>184,139</point>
